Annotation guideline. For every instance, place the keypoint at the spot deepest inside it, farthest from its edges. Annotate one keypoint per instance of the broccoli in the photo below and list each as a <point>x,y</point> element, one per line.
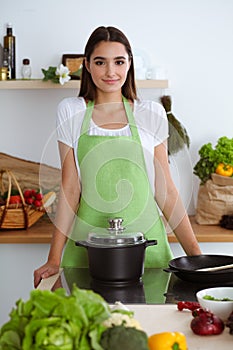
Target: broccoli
<point>120,337</point>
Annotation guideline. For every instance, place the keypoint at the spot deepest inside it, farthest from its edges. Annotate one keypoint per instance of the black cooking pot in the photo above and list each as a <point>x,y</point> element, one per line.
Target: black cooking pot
<point>185,267</point>
<point>116,256</point>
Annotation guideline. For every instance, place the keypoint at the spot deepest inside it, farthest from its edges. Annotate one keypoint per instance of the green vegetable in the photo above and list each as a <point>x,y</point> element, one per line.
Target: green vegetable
<point>53,320</point>
<point>14,192</point>
<point>120,337</point>
<point>209,297</point>
<point>210,158</point>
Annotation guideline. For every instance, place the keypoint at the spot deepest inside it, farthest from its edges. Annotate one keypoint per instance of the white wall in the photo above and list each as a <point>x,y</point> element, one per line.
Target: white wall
<point>190,41</point>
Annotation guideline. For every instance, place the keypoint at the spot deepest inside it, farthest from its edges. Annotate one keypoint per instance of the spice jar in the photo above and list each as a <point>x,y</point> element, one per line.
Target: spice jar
<point>3,73</point>
<point>26,70</point>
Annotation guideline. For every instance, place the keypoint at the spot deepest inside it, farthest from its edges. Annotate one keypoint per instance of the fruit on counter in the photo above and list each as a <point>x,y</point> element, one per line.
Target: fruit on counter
<point>27,193</point>
<point>224,169</point>
<point>29,200</point>
<point>37,203</point>
<point>167,341</point>
<point>229,322</point>
<point>189,305</point>
<point>15,199</point>
<point>121,337</point>
<point>206,323</point>
<point>33,197</point>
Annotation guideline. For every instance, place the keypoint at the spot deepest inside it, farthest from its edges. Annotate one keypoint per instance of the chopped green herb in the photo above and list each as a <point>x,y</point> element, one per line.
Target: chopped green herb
<point>209,297</point>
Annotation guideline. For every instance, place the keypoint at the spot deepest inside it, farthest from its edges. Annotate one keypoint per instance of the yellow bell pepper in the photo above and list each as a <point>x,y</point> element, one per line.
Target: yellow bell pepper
<point>167,341</point>
<point>224,170</point>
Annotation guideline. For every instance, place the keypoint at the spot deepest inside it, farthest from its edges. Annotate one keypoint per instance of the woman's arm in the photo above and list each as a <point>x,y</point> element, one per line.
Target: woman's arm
<point>171,204</point>
<point>67,207</point>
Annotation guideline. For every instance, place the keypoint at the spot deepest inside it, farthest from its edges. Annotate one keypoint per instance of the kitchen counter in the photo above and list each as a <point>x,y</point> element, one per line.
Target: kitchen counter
<point>156,310</point>
<point>166,318</point>
<point>41,232</point>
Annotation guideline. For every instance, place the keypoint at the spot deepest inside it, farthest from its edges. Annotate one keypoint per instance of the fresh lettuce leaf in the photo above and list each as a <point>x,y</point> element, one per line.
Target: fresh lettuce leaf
<point>53,320</point>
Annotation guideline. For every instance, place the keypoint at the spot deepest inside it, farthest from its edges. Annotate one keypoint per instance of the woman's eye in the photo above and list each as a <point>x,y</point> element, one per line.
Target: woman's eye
<point>120,62</point>
<point>99,63</point>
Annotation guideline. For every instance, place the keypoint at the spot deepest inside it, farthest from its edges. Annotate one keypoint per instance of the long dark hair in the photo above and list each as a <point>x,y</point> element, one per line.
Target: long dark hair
<point>88,88</point>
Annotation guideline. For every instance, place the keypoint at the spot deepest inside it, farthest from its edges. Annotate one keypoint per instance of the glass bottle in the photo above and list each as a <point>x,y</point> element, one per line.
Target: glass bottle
<point>26,70</point>
<point>6,62</point>
<point>9,45</point>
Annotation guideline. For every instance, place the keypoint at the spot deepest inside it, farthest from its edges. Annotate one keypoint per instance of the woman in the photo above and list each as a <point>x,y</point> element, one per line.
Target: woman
<point>113,151</point>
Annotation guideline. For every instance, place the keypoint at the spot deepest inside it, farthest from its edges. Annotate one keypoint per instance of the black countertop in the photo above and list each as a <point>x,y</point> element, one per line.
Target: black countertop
<point>155,287</point>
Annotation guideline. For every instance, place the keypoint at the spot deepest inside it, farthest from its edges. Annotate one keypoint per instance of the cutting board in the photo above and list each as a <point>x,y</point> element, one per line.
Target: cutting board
<point>166,318</point>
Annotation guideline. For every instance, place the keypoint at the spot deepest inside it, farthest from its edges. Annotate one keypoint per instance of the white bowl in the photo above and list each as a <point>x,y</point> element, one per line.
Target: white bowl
<point>220,308</point>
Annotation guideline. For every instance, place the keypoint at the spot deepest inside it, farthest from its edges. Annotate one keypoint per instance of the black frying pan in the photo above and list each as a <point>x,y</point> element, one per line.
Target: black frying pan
<point>185,268</point>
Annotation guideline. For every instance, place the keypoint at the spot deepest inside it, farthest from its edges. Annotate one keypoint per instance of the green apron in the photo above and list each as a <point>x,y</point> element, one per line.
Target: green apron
<point>115,184</point>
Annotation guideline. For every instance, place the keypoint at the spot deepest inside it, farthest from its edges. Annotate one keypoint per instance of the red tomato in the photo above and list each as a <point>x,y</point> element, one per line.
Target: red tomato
<point>33,193</point>
<point>39,196</point>
<point>29,200</point>
<point>37,203</point>
<point>27,193</point>
<point>15,199</point>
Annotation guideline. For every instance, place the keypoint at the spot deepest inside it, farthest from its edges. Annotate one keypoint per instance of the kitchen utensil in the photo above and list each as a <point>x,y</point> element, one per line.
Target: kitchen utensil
<point>116,255</point>
<point>216,268</point>
<point>186,268</point>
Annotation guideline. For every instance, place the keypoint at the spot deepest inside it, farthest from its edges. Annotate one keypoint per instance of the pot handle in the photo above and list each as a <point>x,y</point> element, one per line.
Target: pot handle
<point>82,244</point>
<point>151,242</point>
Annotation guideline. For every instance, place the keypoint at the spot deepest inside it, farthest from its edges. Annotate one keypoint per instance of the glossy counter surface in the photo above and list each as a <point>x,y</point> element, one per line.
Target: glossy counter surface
<point>156,287</point>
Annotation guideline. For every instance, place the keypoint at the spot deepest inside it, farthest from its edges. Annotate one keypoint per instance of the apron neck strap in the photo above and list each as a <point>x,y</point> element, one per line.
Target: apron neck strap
<point>128,110</point>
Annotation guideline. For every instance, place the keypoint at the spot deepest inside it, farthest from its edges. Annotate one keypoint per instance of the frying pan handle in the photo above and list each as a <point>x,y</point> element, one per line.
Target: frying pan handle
<point>170,269</point>
<point>151,242</point>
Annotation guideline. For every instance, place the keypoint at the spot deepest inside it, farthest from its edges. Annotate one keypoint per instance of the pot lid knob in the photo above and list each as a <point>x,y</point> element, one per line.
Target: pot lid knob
<point>116,224</point>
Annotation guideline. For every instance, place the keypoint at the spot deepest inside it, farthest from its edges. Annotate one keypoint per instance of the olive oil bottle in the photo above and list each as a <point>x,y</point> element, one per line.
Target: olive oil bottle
<point>9,45</point>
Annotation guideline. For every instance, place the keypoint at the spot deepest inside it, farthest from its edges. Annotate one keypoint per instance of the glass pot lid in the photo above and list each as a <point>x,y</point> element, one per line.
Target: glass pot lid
<point>115,235</point>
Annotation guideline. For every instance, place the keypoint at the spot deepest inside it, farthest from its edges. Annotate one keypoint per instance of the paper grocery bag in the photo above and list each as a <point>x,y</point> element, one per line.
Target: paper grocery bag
<point>214,200</point>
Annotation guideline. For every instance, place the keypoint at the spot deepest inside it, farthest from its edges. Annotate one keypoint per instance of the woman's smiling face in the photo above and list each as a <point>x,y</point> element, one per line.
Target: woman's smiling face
<point>108,66</point>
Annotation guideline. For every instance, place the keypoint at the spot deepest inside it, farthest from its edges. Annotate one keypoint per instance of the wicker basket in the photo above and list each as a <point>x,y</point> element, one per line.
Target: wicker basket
<point>20,216</point>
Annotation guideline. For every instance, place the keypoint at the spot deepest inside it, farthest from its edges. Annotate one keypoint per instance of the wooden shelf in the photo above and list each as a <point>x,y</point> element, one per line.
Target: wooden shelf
<point>42,231</point>
<point>72,84</point>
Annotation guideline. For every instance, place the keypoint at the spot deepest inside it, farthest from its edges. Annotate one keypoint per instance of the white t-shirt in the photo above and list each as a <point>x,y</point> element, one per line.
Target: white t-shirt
<point>150,118</point>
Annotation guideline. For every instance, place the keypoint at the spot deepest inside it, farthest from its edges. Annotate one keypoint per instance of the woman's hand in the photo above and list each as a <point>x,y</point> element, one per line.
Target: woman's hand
<point>45,271</point>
